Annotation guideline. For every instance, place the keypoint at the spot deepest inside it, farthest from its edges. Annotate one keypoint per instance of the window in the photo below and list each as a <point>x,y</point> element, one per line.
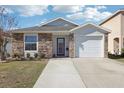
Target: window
<point>31,43</point>
<point>30,46</point>
<point>30,39</point>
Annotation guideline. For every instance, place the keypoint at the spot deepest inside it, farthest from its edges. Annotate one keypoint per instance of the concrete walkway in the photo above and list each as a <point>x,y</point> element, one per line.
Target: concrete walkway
<point>59,73</point>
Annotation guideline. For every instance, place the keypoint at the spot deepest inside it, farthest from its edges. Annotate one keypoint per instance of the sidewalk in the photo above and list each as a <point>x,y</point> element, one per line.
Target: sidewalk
<point>59,73</point>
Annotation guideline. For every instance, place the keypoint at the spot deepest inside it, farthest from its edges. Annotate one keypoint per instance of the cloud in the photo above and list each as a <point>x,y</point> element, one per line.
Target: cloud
<point>32,10</point>
<point>27,10</point>
<point>73,12</point>
<point>41,22</point>
<point>90,14</point>
<point>75,16</point>
<point>101,7</point>
<point>67,8</point>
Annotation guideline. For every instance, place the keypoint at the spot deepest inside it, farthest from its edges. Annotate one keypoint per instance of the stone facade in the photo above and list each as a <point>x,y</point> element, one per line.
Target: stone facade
<point>71,46</point>
<point>45,44</point>
<point>18,43</point>
<point>106,45</point>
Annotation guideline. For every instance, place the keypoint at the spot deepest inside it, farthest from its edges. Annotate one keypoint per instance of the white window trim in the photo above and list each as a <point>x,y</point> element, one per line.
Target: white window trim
<point>36,42</point>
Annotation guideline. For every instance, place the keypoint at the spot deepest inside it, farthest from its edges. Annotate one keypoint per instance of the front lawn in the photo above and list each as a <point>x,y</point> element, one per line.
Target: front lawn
<point>120,59</point>
<point>116,57</point>
<point>20,74</point>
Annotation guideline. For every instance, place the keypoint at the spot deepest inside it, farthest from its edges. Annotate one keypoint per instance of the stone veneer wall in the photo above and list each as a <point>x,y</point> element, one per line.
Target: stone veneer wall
<point>45,44</point>
<point>18,43</point>
<point>71,46</point>
<point>106,45</point>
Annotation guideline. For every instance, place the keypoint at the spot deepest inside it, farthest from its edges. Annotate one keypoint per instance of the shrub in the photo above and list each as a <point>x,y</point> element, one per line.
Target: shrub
<point>7,55</point>
<point>122,53</point>
<point>17,55</point>
<point>53,55</point>
<point>28,55</point>
<point>23,58</point>
<point>9,59</point>
<point>2,57</point>
<point>113,56</point>
<point>41,55</point>
<point>36,55</point>
<point>31,58</point>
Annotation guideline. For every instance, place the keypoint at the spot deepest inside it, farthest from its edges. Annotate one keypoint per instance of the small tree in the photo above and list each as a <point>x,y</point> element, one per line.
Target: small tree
<point>7,22</point>
<point>28,55</point>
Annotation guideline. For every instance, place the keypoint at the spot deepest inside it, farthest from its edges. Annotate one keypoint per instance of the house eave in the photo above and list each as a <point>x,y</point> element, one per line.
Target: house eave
<point>111,16</point>
<point>40,31</point>
<point>99,27</point>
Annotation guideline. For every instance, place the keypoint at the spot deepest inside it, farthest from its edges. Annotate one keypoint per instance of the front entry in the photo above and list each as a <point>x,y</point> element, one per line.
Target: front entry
<point>60,46</point>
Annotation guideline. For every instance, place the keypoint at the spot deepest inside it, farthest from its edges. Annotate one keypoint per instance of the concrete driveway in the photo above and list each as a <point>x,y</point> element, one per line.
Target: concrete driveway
<point>59,73</point>
<point>100,72</point>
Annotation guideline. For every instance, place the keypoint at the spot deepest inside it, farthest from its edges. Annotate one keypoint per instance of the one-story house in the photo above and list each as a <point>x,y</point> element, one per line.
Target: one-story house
<point>61,38</point>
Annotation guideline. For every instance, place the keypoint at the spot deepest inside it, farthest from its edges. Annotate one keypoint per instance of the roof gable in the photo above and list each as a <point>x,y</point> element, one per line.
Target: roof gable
<point>90,25</point>
<point>113,15</point>
<point>59,22</point>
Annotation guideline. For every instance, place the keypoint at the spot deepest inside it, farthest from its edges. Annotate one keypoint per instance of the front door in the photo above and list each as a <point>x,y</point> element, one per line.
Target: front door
<point>60,46</point>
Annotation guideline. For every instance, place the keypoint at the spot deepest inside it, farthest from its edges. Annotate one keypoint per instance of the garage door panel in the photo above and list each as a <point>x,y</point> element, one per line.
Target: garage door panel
<point>89,53</point>
<point>89,46</point>
<point>89,43</point>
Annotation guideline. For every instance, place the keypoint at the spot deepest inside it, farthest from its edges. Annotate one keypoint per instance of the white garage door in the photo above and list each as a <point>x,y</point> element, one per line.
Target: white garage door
<point>89,46</point>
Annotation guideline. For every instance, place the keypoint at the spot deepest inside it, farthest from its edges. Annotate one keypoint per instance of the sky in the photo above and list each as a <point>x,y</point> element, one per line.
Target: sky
<point>35,15</point>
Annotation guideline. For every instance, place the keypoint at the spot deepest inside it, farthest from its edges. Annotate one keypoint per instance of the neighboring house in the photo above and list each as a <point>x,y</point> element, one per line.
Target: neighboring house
<point>60,37</point>
<point>116,38</point>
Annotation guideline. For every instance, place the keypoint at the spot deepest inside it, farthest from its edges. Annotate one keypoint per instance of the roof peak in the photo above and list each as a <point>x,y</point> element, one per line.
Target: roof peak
<point>54,19</point>
<point>91,24</point>
<point>113,15</point>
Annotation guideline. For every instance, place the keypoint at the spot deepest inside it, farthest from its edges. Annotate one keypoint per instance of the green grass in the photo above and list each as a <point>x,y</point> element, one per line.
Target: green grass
<point>20,74</point>
<point>120,60</point>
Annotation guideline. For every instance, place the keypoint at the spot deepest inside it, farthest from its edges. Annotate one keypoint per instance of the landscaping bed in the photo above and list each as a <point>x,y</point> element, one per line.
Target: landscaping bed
<point>119,58</point>
<point>21,74</point>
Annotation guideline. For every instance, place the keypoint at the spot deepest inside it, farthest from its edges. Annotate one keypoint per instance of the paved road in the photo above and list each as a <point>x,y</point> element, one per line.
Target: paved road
<point>59,73</point>
<point>100,72</point>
